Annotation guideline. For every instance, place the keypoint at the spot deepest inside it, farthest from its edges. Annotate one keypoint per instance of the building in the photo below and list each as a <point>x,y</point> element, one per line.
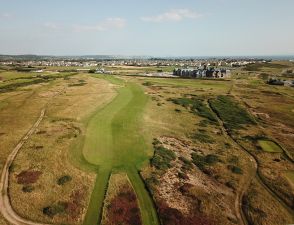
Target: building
<point>202,73</point>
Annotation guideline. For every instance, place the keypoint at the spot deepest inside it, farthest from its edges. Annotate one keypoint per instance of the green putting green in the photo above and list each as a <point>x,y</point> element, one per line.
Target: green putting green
<point>269,146</point>
<point>114,140</point>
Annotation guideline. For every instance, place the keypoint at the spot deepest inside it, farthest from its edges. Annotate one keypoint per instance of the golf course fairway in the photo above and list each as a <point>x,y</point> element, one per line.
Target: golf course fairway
<point>114,141</point>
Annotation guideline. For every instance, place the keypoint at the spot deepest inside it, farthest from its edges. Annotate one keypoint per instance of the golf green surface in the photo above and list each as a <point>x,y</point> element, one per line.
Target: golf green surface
<point>269,146</point>
<point>114,140</point>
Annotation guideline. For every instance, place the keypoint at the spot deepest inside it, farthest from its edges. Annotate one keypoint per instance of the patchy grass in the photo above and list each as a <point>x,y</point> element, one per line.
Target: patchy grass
<point>197,106</point>
<point>202,137</point>
<point>232,114</point>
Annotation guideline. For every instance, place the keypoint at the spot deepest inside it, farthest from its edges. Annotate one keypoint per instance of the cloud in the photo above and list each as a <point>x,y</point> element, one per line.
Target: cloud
<point>107,24</point>
<point>173,15</point>
<point>5,15</point>
<point>51,26</point>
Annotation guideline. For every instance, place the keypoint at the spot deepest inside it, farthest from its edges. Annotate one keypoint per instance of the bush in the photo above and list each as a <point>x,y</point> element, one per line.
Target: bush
<point>162,158</point>
<point>202,161</point>
<point>64,179</point>
<point>235,169</point>
<point>27,189</point>
<point>53,210</point>
<point>147,83</point>
<point>156,142</point>
<point>211,159</point>
<point>202,138</point>
<point>185,102</point>
<point>187,163</point>
<point>183,176</point>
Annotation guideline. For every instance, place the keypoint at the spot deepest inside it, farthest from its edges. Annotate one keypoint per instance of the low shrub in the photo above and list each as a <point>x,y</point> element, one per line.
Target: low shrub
<point>235,169</point>
<point>183,176</point>
<point>53,210</point>
<point>204,138</point>
<point>202,161</point>
<point>63,180</point>
<point>187,163</point>
<point>162,158</point>
<point>27,188</point>
<point>147,83</point>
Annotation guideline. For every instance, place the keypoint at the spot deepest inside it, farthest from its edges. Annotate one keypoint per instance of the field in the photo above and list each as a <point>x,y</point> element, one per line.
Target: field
<point>88,149</point>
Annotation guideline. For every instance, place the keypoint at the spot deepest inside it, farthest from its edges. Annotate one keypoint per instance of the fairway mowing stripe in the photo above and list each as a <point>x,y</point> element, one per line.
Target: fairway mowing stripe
<point>146,204</point>
<point>94,212</point>
<point>112,141</point>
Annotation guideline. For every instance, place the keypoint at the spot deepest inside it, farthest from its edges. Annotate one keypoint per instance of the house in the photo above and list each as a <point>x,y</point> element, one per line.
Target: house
<point>204,72</point>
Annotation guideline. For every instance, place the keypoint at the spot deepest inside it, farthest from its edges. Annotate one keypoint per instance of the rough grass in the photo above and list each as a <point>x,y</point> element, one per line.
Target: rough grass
<point>232,114</point>
<point>259,66</point>
<point>197,106</point>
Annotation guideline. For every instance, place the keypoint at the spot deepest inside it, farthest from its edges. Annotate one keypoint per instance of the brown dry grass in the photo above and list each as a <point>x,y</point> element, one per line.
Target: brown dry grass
<point>47,150</point>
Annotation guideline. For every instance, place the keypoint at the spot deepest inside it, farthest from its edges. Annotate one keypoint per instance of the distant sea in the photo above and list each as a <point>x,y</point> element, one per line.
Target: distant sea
<point>265,57</point>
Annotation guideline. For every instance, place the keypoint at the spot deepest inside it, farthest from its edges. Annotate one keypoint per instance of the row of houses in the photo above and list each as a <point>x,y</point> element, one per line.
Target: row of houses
<point>202,73</point>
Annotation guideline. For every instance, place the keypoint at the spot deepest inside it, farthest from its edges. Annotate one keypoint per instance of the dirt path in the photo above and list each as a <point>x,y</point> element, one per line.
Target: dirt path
<point>5,205</point>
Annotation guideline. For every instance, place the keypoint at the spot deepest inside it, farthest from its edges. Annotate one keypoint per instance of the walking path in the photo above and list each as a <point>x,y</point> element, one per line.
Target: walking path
<point>5,205</point>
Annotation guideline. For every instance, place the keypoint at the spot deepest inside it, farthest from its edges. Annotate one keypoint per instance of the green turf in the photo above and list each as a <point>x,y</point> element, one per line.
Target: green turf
<point>290,176</point>
<point>269,146</point>
<point>114,140</point>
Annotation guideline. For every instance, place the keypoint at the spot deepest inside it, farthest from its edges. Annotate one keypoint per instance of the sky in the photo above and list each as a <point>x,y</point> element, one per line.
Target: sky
<point>149,28</point>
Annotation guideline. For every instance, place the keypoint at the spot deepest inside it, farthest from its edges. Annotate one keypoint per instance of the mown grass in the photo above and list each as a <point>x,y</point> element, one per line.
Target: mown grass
<point>269,146</point>
<point>112,141</point>
<point>231,113</point>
